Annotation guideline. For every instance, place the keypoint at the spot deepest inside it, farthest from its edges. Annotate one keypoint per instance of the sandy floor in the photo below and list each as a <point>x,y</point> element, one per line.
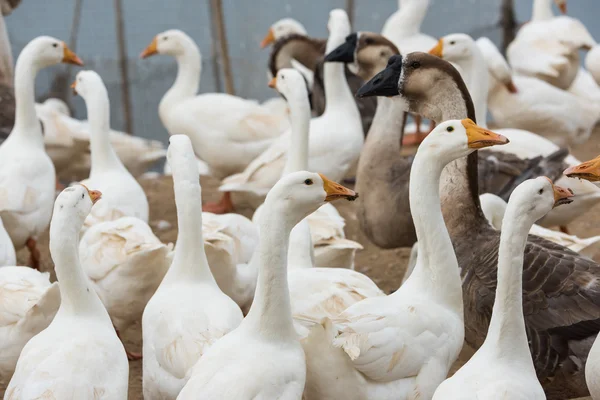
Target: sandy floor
<point>385,267</point>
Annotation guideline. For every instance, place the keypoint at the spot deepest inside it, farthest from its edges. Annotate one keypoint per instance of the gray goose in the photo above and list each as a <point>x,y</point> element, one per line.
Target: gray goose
<point>383,176</point>
<point>310,52</point>
<point>561,292</point>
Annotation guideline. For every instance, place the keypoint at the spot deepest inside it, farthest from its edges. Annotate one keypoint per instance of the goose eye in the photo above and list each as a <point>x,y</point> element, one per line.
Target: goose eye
<point>165,37</point>
<point>382,54</point>
<point>54,44</point>
<point>369,41</point>
<point>540,191</point>
<point>452,42</point>
<point>308,182</point>
<point>416,64</point>
<point>82,195</point>
<point>450,128</point>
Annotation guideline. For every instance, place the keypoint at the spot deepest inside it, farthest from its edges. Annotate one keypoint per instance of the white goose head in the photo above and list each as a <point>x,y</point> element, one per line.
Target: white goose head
<point>454,139</point>
<point>455,47</point>
<point>50,51</point>
<point>87,83</point>
<point>77,198</point>
<point>534,198</point>
<point>172,42</point>
<point>282,28</point>
<point>290,84</point>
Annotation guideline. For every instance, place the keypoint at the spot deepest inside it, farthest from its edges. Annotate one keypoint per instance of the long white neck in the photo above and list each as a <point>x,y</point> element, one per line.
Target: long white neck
<point>297,159</point>
<point>271,313</point>
<point>436,271</point>
<point>407,20</point>
<point>78,297</point>
<point>300,252</point>
<point>6,60</point>
<point>190,262</point>
<point>475,74</point>
<point>507,326</point>
<point>104,157</point>
<point>542,10</point>
<point>338,96</point>
<point>187,83</point>
<point>27,125</point>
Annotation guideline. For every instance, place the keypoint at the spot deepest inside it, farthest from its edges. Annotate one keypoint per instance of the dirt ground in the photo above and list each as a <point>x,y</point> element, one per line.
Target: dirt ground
<point>385,267</point>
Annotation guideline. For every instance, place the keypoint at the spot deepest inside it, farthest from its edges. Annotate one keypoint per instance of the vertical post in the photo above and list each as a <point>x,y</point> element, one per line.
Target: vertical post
<point>121,43</point>
<point>508,22</point>
<point>350,11</point>
<point>214,49</point>
<point>217,6</point>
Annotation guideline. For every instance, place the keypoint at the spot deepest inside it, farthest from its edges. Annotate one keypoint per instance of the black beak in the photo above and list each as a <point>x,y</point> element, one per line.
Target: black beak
<point>344,52</point>
<point>385,83</point>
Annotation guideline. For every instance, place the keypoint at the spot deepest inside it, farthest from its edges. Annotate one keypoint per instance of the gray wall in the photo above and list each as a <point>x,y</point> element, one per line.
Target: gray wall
<point>246,23</point>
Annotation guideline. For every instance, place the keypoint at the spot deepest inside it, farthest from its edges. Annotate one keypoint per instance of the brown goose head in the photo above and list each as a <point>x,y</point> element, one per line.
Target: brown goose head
<point>365,52</point>
<point>304,49</point>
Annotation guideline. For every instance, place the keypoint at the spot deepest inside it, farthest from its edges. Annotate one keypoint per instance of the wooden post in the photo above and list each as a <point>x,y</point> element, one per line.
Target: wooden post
<point>122,45</point>
<point>219,21</point>
<point>350,11</point>
<point>508,22</point>
<point>214,49</point>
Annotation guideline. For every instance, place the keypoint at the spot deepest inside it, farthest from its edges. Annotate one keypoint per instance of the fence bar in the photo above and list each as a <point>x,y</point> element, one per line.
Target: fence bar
<point>219,22</point>
<point>121,43</point>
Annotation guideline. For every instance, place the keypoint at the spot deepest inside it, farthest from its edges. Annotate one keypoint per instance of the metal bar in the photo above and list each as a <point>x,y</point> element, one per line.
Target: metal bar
<point>122,45</point>
<point>214,49</point>
<point>222,36</point>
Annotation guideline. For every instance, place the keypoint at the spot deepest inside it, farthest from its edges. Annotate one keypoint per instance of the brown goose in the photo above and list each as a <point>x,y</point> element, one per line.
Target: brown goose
<point>309,52</point>
<point>561,292</point>
<point>7,95</point>
<point>383,175</point>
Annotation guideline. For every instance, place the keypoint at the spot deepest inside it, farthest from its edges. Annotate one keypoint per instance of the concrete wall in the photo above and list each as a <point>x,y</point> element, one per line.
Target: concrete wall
<point>246,23</point>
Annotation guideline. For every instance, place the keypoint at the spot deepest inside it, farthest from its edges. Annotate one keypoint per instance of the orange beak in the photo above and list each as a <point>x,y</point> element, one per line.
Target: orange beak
<point>511,87</point>
<point>561,195</point>
<point>95,195</point>
<point>336,191</point>
<point>69,57</point>
<point>268,39</point>
<point>151,50</point>
<point>589,170</point>
<point>73,85</point>
<point>438,50</point>
<point>273,82</point>
<point>479,137</point>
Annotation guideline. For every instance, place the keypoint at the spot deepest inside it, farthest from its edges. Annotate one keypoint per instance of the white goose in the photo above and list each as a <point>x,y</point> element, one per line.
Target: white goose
<point>229,369</point>
<point>402,346</point>
<point>336,137</point>
<point>188,313</point>
<point>8,256</point>
<point>592,63</point>
<point>531,104</point>
<point>403,27</point>
<point>282,28</point>
<point>460,48</point>
<point>28,302</point>
<point>213,121</point>
<point>79,355</point>
<point>27,177</point>
<point>547,47</point>
<point>122,194</point>
<point>502,367</point>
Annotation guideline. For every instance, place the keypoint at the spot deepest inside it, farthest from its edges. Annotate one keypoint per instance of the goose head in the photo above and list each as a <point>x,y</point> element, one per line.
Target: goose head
<point>77,198</point>
<point>455,47</point>
<point>428,85</point>
<point>290,84</point>
<point>535,198</point>
<point>172,42</point>
<point>282,28</point>
<point>299,194</point>
<point>87,83</point>
<point>454,139</point>
<point>366,53</point>
<point>338,26</point>
<point>589,170</point>
<point>182,159</point>
<point>50,51</point>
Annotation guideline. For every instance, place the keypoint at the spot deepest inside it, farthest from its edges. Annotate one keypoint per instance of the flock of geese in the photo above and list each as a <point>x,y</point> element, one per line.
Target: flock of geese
<point>272,308</point>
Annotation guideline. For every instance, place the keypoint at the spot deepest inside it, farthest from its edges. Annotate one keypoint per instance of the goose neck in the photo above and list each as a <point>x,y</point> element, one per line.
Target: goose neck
<point>103,155</point>
<point>26,122</point>
<point>542,10</point>
<point>337,92</point>
<point>436,271</point>
<point>407,20</point>
<point>507,326</point>
<point>475,73</point>
<point>187,82</point>
<point>78,297</point>
<point>189,262</point>
<point>270,314</point>
<point>300,252</point>
<point>300,126</point>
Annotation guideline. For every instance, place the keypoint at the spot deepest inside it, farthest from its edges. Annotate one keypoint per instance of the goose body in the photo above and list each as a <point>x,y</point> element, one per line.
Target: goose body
<point>592,63</point>
<point>29,303</point>
<point>7,250</point>
<point>213,121</point>
<point>188,313</point>
<point>27,178</point>
<point>69,359</point>
<point>403,27</point>
<point>122,194</point>
<point>549,310</point>
<point>548,47</point>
